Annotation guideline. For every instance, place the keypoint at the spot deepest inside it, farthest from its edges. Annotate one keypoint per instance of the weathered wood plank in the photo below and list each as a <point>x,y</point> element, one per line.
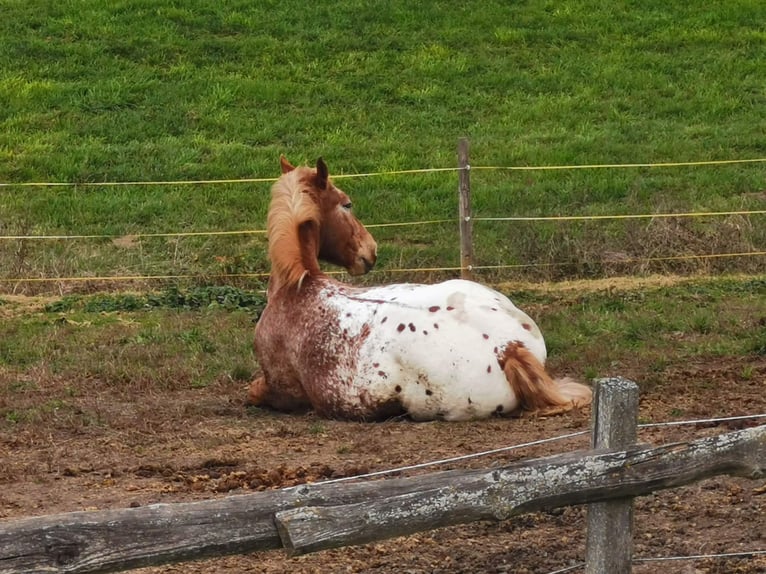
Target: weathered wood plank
<point>115,540</point>
<point>453,498</point>
<point>609,543</point>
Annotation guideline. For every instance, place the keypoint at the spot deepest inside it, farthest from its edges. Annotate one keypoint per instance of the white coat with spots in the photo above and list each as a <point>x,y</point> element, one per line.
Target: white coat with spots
<point>435,348</point>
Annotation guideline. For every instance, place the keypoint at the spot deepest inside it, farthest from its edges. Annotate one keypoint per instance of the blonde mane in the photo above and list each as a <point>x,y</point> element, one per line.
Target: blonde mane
<point>291,206</point>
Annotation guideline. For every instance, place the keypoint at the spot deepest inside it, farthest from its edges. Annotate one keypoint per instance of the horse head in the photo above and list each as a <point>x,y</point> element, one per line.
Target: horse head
<point>306,198</point>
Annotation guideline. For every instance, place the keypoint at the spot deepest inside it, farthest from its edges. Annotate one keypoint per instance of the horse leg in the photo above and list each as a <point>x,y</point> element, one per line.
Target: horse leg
<point>256,395</point>
<point>538,393</point>
<point>279,395</point>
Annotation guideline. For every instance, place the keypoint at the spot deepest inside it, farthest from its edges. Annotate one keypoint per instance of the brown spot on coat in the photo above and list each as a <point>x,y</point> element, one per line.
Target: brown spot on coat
<point>485,335</point>
<point>400,328</point>
<point>450,308</point>
<point>429,392</point>
<point>434,308</point>
<point>527,326</point>
<point>382,374</point>
<point>384,320</point>
<point>489,368</point>
<point>412,327</point>
<point>398,388</point>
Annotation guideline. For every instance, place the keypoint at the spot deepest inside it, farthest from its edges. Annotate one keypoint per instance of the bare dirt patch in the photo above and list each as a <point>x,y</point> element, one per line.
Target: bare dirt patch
<point>207,445</point>
<point>107,448</point>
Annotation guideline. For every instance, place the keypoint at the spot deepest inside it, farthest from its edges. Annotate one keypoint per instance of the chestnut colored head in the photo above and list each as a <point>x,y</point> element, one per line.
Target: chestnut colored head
<point>309,219</point>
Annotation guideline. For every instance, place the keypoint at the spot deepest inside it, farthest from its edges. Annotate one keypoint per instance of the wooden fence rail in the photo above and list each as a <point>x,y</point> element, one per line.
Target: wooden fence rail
<point>309,517</point>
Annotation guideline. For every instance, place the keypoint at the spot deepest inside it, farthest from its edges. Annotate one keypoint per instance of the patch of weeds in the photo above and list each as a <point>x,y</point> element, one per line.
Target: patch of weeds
<point>214,296</point>
<point>316,428</point>
<point>240,374</point>
<point>114,303</point>
<point>721,347</point>
<point>635,331</point>
<point>149,335</point>
<point>101,303</point>
<point>343,449</point>
<point>14,417</point>
<point>198,341</point>
<point>53,405</point>
<point>702,323</point>
<point>591,373</point>
<point>66,303</point>
<point>614,305</point>
<point>758,344</point>
<point>21,386</point>
<point>659,364</point>
<point>23,343</point>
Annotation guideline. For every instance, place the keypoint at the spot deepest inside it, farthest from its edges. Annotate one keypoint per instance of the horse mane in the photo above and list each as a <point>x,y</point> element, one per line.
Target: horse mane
<point>293,213</point>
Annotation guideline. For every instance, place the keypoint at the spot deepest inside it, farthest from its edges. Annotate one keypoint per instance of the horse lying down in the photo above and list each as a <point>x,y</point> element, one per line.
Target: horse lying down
<point>454,351</point>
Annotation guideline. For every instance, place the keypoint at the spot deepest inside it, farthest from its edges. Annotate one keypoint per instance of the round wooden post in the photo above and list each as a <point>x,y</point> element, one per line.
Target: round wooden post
<point>466,224</point>
<point>609,545</point>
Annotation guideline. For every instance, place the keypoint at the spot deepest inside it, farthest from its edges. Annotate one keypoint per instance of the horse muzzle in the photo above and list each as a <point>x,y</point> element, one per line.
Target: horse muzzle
<point>365,258</point>
<point>362,265</point>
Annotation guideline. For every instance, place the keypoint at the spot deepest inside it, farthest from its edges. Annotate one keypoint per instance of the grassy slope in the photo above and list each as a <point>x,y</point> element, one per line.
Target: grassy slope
<point>165,91</point>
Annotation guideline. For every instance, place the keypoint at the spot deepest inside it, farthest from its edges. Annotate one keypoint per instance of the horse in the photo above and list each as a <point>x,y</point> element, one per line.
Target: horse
<point>451,351</point>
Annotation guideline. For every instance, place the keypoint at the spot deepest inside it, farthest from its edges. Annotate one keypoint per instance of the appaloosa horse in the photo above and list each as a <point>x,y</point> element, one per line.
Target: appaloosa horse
<point>455,351</point>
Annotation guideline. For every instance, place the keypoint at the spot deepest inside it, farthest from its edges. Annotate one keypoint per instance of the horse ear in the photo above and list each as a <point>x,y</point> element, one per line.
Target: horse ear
<point>285,165</point>
<point>322,173</point>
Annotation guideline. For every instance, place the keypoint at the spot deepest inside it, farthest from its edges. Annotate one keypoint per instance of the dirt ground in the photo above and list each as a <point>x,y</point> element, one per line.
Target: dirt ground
<point>203,443</point>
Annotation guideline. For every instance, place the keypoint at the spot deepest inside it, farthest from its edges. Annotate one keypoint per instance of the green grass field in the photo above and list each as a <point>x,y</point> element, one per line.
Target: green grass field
<point>163,91</point>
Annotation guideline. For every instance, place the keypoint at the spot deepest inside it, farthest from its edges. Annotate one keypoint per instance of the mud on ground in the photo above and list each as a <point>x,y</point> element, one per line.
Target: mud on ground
<point>204,443</point>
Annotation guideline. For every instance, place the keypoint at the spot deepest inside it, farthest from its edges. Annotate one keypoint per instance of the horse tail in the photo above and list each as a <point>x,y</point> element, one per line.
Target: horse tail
<point>536,390</point>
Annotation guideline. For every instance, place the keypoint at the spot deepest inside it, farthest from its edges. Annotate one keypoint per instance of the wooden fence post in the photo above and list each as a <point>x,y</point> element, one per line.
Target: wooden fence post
<point>466,224</point>
<point>609,544</point>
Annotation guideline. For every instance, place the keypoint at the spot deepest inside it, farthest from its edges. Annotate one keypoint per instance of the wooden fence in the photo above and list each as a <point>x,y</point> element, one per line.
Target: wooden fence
<point>314,517</point>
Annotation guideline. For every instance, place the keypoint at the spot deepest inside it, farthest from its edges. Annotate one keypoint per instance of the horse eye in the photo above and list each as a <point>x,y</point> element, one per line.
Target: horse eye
<point>348,205</point>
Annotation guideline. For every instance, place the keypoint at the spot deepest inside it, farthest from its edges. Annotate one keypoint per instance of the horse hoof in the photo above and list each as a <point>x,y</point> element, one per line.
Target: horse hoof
<point>256,392</point>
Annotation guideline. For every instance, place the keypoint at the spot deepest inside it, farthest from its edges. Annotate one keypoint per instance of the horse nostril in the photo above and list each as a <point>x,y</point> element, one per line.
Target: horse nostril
<point>367,264</point>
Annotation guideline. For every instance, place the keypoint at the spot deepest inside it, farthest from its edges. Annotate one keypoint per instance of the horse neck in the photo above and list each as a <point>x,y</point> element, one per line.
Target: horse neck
<point>294,256</point>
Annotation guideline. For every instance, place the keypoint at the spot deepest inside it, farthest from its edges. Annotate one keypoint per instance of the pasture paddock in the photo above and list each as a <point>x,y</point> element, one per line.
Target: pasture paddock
<point>557,530</point>
<point>133,421</point>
